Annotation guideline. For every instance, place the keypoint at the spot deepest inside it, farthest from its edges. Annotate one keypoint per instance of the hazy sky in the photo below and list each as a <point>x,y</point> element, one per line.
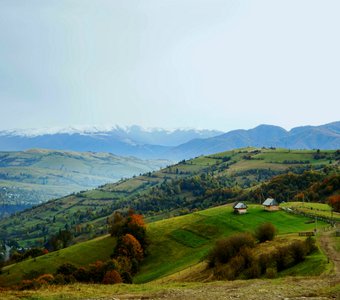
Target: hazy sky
<point>169,63</point>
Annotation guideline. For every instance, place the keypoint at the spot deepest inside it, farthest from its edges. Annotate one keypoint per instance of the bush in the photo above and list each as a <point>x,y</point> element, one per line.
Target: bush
<point>265,232</point>
<point>283,258</point>
<point>310,245</point>
<point>59,279</point>
<point>130,247</point>
<point>126,276</point>
<point>227,248</point>
<point>82,275</point>
<point>66,269</point>
<point>45,279</point>
<point>97,271</point>
<point>254,271</point>
<point>222,272</point>
<point>112,277</point>
<point>29,285</point>
<point>69,279</point>
<point>266,261</point>
<point>271,272</point>
<point>298,251</point>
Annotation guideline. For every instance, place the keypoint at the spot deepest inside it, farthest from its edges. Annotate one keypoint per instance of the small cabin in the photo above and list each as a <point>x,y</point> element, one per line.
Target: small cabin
<point>240,208</point>
<point>271,204</point>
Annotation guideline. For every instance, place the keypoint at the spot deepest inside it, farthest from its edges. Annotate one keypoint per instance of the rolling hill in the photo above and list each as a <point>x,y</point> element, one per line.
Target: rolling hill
<point>178,189</point>
<point>176,244</point>
<point>31,177</point>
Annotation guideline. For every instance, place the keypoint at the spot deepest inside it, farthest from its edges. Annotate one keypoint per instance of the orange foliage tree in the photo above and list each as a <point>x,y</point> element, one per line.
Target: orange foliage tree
<point>334,201</point>
<point>112,277</point>
<point>129,246</point>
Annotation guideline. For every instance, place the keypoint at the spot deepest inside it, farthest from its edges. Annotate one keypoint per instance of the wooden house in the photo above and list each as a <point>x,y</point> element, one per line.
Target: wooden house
<point>271,204</point>
<point>240,208</point>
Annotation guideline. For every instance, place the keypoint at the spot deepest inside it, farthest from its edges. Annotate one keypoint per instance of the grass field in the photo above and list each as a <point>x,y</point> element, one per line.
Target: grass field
<point>169,254</point>
<point>318,209</point>
<point>79,255</point>
<point>176,243</point>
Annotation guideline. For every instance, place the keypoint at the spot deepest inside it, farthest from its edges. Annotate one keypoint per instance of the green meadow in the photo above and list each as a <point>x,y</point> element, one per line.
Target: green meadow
<point>176,243</point>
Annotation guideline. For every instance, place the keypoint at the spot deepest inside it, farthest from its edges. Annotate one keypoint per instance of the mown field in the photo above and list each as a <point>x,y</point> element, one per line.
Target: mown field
<point>176,243</point>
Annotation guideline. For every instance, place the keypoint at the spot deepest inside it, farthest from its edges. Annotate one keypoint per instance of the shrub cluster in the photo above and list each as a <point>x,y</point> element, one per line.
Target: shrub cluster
<point>109,272</point>
<point>234,257</point>
<point>227,248</point>
<point>265,232</point>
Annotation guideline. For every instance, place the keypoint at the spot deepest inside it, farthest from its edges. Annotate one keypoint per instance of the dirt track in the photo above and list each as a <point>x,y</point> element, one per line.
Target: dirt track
<point>328,246</point>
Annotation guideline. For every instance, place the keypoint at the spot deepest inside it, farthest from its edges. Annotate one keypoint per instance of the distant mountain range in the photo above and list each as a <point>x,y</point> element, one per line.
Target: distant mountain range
<point>306,137</point>
<point>173,145</point>
<point>129,141</point>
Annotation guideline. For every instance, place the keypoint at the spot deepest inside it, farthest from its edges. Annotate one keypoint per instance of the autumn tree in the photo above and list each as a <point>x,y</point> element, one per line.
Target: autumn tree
<point>129,246</point>
<point>112,277</point>
<point>132,224</point>
<point>334,202</point>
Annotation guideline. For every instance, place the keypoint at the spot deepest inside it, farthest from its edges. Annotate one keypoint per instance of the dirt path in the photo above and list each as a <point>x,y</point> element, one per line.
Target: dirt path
<point>327,244</point>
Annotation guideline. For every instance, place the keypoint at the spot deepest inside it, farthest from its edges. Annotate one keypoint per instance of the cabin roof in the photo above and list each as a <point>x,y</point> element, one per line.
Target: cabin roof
<point>239,205</point>
<point>270,202</point>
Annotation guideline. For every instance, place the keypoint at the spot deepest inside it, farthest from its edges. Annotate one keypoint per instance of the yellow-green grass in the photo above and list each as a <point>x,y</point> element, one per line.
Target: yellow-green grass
<point>79,255</point>
<point>336,243</point>
<point>180,242</point>
<point>317,209</point>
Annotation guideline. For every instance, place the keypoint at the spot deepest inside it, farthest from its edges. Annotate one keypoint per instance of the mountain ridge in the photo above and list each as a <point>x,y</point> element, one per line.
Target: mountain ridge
<point>177,144</point>
<point>305,137</point>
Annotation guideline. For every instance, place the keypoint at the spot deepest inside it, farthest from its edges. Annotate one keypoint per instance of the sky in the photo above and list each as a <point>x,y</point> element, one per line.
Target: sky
<point>212,64</point>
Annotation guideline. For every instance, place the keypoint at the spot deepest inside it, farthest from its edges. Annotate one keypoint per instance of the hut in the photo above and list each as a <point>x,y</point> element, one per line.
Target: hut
<point>271,204</point>
<point>240,208</point>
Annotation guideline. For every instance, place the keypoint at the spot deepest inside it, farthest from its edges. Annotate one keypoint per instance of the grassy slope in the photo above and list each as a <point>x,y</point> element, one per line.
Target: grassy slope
<point>23,226</point>
<point>80,255</point>
<point>169,255</point>
<point>318,209</point>
<point>176,243</point>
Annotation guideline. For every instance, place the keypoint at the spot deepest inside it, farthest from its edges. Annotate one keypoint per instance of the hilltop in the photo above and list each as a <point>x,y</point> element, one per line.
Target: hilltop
<point>34,176</point>
<point>190,185</point>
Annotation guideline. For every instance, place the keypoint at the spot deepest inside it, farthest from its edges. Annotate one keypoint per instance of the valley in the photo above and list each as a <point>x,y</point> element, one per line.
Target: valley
<point>32,177</point>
